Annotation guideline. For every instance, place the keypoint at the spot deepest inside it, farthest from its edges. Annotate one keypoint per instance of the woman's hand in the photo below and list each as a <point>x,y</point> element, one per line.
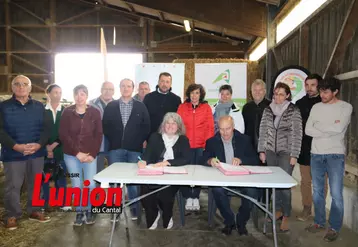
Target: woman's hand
<point>142,164</point>
<point>293,161</point>
<point>263,157</point>
<point>49,154</point>
<point>81,157</point>
<point>88,159</point>
<point>162,164</point>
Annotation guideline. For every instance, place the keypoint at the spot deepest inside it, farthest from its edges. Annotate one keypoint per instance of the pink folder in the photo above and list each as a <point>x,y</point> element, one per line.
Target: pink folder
<point>230,170</point>
<point>150,170</point>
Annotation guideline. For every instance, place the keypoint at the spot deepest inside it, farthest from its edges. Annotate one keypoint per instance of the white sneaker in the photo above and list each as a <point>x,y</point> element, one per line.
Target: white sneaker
<point>134,218</point>
<point>155,223</point>
<point>170,224</point>
<point>196,205</point>
<point>189,204</point>
<point>67,208</point>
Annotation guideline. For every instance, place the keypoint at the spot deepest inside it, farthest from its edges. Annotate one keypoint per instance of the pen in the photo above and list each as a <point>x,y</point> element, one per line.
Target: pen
<point>217,158</point>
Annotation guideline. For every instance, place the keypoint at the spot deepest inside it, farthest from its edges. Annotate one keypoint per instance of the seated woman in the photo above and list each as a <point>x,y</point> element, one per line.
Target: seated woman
<point>169,147</point>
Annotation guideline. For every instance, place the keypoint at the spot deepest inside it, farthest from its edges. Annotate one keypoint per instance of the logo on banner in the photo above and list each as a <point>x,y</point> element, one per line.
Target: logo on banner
<point>224,76</point>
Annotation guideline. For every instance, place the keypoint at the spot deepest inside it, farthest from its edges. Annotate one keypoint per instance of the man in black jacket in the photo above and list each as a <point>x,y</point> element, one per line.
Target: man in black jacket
<point>305,105</point>
<point>253,110</point>
<point>232,147</point>
<point>161,101</point>
<point>126,125</point>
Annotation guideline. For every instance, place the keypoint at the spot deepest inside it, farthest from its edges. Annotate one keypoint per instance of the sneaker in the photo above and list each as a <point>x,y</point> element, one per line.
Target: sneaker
<point>305,214</point>
<point>170,224</point>
<point>134,218</point>
<point>66,209</point>
<point>331,235</point>
<point>227,230</point>
<point>40,217</point>
<point>189,204</point>
<point>155,223</point>
<point>315,228</point>
<point>116,219</point>
<point>11,224</point>
<point>196,204</point>
<point>90,218</point>
<point>80,218</point>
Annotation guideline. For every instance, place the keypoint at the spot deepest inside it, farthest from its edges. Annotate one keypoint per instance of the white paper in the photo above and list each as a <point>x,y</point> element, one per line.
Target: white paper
<point>175,170</point>
<point>232,168</point>
<point>258,169</point>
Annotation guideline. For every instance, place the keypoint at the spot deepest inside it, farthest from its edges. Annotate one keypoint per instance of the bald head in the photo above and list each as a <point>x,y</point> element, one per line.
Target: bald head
<point>226,127</point>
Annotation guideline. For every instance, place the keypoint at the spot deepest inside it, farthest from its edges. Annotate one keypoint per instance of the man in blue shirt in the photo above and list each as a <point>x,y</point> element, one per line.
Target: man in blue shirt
<point>24,133</point>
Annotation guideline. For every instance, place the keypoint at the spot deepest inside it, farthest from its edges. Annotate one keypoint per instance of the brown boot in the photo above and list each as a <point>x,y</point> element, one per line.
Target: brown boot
<point>11,223</point>
<point>284,224</point>
<point>40,217</point>
<point>305,214</point>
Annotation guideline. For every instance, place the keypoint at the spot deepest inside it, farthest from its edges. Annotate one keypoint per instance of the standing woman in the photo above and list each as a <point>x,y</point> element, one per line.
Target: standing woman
<point>54,147</point>
<point>199,124</point>
<point>280,143</point>
<point>81,136</point>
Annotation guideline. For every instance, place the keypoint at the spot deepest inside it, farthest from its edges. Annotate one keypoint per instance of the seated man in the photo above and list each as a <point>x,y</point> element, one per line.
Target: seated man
<point>232,147</point>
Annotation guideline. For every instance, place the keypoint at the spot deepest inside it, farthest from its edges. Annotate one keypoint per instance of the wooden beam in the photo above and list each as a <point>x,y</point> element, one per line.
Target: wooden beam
<point>196,48</point>
<point>255,44</point>
<point>345,36</point>
<point>130,7</point>
<point>240,15</point>
<point>52,39</point>
<point>77,16</point>
<point>34,41</point>
<point>161,16</point>
<point>30,63</point>
<point>348,75</point>
<point>278,58</point>
<point>8,44</point>
<point>27,11</point>
<point>173,38</point>
<point>273,2</point>
<point>304,46</point>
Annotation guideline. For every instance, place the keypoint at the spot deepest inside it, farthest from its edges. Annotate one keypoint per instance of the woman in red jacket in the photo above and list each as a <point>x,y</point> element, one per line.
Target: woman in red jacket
<point>199,123</point>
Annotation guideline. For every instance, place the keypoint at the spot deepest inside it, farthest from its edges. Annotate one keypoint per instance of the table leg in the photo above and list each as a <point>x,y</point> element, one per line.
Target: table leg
<point>124,209</point>
<point>274,217</point>
<point>267,208</point>
<point>113,224</point>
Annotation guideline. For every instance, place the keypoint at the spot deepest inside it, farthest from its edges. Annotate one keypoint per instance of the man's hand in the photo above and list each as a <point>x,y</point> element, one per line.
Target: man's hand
<point>31,148</point>
<point>19,148</point>
<point>263,157</point>
<point>145,144</point>
<point>142,164</point>
<point>293,161</point>
<point>236,162</point>
<point>162,164</point>
<point>214,162</point>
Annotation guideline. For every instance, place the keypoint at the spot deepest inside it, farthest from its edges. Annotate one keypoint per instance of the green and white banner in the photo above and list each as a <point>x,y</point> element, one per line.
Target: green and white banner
<point>213,75</point>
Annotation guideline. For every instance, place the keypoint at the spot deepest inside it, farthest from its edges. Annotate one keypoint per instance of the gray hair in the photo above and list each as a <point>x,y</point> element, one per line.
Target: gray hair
<point>177,119</point>
<point>143,83</point>
<point>20,76</point>
<point>80,87</point>
<point>126,79</point>
<point>258,82</point>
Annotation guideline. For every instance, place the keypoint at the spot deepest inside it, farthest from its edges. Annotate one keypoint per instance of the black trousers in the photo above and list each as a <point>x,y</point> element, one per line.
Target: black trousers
<point>163,200</point>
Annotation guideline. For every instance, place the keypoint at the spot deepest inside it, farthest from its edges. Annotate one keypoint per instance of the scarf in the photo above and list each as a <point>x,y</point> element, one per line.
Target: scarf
<point>221,109</point>
<point>278,110</point>
<point>169,143</point>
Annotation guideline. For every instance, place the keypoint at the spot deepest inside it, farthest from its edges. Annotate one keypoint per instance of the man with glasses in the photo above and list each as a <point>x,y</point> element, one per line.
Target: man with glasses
<point>24,132</point>
<point>107,92</point>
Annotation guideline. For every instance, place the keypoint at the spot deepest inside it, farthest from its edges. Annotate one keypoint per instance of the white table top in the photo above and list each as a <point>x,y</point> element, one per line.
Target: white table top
<point>197,175</point>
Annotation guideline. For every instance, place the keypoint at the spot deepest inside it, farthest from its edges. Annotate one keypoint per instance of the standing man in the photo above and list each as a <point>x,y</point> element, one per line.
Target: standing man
<point>107,92</point>
<point>24,132</point>
<point>305,105</point>
<point>143,90</point>
<point>225,106</point>
<point>253,110</point>
<point>126,125</point>
<point>161,101</point>
<point>327,124</point>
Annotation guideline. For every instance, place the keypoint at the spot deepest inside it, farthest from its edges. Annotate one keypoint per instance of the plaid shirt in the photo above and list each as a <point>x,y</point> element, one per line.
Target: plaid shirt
<point>126,109</point>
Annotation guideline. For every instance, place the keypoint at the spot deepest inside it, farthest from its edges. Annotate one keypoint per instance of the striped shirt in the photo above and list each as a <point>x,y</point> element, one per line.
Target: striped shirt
<point>126,109</point>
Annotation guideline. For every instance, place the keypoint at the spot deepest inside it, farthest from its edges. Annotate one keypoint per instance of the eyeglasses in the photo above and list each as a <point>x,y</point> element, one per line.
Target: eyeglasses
<point>21,84</point>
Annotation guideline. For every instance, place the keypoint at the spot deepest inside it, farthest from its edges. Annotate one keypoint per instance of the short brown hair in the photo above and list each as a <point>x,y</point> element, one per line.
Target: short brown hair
<point>193,87</point>
<point>164,74</point>
<point>286,88</point>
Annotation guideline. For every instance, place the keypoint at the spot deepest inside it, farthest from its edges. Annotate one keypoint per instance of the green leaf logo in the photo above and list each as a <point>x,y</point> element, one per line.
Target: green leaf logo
<point>225,76</point>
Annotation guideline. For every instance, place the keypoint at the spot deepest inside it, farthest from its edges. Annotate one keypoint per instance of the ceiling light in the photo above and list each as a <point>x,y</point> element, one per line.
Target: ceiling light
<point>187,25</point>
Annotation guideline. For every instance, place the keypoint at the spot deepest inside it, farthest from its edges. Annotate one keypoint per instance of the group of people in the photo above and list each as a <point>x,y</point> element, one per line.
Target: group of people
<point>161,130</point>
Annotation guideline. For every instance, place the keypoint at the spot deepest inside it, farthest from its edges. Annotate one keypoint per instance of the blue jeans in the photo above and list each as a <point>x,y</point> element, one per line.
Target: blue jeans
<point>222,202</point>
<point>193,192</point>
<point>333,165</point>
<point>86,171</point>
<point>59,183</point>
<point>122,155</point>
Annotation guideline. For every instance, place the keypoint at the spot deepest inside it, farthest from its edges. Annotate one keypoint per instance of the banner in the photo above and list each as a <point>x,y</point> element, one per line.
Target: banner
<point>294,77</point>
<point>214,75</point>
<point>149,72</point>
